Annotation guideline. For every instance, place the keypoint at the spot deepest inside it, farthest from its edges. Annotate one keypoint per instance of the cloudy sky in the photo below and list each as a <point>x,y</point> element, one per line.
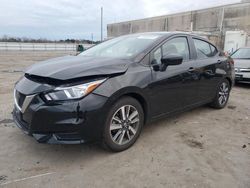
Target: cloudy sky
<point>61,19</point>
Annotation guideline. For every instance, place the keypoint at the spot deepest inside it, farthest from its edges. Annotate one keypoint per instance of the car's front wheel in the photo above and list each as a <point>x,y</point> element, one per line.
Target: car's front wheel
<point>222,95</point>
<point>123,124</point>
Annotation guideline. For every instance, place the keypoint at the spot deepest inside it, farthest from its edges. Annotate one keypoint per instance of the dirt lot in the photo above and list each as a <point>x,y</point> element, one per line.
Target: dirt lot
<point>200,148</point>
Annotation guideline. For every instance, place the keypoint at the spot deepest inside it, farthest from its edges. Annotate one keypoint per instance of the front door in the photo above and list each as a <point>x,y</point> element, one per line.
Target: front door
<point>175,88</point>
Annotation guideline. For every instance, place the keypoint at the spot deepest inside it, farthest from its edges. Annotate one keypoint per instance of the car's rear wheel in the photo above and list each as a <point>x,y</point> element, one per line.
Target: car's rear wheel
<point>123,125</point>
<point>222,95</point>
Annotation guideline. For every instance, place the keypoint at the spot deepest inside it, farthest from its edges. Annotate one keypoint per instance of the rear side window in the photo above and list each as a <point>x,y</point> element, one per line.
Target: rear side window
<point>204,49</point>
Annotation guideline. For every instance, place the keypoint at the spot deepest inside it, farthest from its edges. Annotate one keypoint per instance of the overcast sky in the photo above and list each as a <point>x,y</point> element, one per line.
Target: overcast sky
<point>61,19</point>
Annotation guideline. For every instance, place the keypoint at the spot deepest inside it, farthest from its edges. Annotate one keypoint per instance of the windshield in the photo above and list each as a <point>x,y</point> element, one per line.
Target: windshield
<point>243,53</point>
<point>123,47</point>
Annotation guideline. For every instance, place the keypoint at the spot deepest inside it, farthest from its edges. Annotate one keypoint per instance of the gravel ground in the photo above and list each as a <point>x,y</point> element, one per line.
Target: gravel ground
<point>200,148</point>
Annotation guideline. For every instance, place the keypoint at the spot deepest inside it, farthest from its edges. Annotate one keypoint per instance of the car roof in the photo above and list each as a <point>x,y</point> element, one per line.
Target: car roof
<point>166,34</point>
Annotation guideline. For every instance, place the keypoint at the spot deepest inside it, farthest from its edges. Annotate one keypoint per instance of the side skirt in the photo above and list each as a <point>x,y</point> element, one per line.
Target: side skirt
<point>179,111</point>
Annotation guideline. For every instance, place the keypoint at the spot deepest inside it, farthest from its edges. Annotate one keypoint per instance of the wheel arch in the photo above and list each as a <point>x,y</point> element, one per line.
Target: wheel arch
<point>142,101</point>
<point>135,93</point>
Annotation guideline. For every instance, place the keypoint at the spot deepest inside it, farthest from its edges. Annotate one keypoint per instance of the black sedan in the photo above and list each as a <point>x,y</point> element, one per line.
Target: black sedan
<point>108,92</point>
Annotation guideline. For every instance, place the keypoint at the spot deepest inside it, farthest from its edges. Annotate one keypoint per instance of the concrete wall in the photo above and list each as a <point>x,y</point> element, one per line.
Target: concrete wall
<point>215,20</point>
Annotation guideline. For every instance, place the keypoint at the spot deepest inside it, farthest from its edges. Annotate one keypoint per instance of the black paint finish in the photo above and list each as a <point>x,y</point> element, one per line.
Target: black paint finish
<point>176,89</point>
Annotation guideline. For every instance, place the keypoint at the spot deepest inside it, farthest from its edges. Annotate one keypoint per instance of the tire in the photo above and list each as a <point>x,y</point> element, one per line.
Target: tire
<point>123,124</point>
<point>222,95</point>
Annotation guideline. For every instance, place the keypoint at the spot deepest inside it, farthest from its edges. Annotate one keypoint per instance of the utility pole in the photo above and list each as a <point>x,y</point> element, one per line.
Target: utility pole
<point>92,38</point>
<point>222,20</point>
<point>221,27</point>
<point>101,24</point>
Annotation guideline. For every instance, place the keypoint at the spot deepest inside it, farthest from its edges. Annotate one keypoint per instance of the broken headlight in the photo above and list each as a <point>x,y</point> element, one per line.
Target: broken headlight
<point>72,92</point>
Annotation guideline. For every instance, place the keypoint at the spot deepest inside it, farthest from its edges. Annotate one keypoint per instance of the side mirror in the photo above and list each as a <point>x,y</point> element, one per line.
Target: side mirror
<point>168,60</point>
<point>172,59</point>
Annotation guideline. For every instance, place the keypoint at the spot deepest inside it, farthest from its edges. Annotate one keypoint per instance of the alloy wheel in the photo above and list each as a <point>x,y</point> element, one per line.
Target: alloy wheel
<point>223,93</point>
<point>124,124</point>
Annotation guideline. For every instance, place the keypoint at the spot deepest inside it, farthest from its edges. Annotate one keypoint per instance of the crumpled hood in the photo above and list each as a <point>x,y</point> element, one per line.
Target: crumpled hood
<point>70,67</point>
<point>242,63</point>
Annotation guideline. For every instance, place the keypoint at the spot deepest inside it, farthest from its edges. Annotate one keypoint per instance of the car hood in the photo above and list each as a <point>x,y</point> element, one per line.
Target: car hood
<point>242,63</point>
<point>70,67</point>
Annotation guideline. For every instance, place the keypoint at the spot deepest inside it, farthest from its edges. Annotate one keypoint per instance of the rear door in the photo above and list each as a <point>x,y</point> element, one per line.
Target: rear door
<point>209,65</point>
<point>175,88</point>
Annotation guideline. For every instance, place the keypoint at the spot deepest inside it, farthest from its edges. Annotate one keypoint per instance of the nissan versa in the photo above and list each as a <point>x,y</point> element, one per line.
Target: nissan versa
<point>108,92</point>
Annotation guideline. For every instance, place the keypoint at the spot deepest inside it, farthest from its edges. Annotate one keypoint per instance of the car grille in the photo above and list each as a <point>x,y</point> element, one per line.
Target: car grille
<point>19,98</point>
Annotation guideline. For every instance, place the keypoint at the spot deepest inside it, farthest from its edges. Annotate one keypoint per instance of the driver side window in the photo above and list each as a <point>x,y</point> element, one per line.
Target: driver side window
<point>178,45</point>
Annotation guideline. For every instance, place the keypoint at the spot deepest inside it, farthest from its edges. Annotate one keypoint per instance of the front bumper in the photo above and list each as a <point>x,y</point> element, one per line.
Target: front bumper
<point>63,123</point>
<point>242,77</point>
<point>50,138</point>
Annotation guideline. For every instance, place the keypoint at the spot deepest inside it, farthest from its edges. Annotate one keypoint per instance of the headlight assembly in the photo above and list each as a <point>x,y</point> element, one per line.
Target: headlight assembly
<point>72,92</point>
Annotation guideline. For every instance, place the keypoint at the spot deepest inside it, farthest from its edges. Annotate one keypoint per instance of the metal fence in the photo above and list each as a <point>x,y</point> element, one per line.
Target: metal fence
<point>22,46</point>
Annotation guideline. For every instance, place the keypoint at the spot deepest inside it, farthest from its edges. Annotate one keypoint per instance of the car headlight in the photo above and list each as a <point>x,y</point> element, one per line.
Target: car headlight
<point>72,92</point>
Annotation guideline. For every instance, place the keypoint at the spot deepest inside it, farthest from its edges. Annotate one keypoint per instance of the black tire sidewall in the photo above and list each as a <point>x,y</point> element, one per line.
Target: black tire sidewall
<point>108,142</point>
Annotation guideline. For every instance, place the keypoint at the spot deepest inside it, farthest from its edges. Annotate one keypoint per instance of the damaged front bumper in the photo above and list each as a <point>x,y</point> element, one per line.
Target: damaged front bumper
<point>73,122</point>
<point>67,122</point>
<point>49,138</point>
